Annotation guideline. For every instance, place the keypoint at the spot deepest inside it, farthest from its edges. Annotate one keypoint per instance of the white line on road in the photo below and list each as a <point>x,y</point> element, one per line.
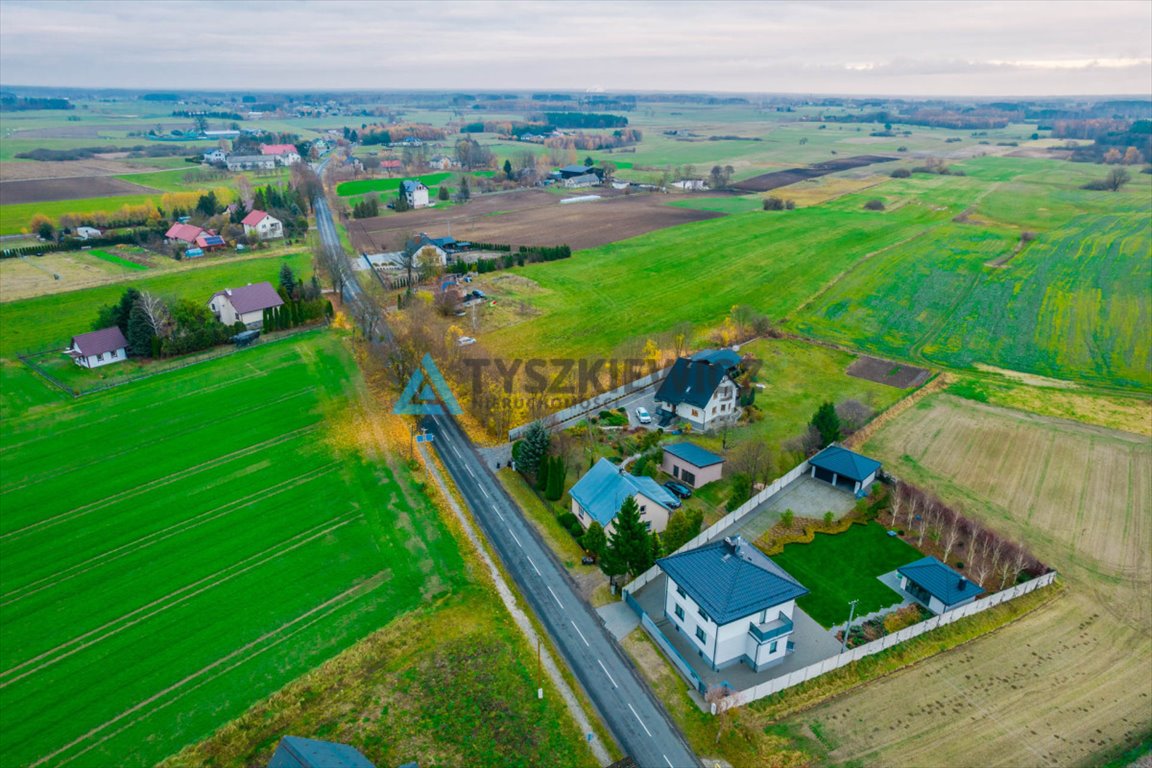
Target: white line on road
<point>516,539</point>
<point>639,720</point>
<point>485,492</point>
<point>668,761</point>
<point>455,450</point>
<point>581,635</point>
<point>497,511</point>
<point>535,568</point>
<point>468,469</point>
<point>556,599</point>
<point>613,682</point>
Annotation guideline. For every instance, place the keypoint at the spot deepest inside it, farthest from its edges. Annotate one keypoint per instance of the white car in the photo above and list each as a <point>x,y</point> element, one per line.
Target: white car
<point>464,341</point>
<point>643,416</point>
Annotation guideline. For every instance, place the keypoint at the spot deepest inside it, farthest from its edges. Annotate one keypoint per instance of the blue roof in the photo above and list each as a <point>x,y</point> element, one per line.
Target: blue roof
<point>213,240</point>
<point>723,357</point>
<point>410,186</point>
<point>731,579</point>
<point>845,463</point>
<point>297,752</point>
<point>693,454</point>
<point>603,489</point>
<point>940,581</point>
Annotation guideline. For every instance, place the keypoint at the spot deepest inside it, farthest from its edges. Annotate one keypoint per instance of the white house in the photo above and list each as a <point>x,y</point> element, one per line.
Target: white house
<point>215,157</point>
<point>936,586</point>
<point>732,602</point>
<point>283,154</point>
<point>599,494</point>
<point>262,225</point>
<point>443,163</point>
<point>700,390</point>
<point>92,350</point>
<point>415,193</point>
<point>245,304</point>
<point>85,233</point>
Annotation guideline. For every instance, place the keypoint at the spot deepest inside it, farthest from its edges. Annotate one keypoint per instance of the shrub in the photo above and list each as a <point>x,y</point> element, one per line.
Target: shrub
<point>787,517</point>
<point>875,204</point>
<point>828,518</point>
<point>570,523</point>
<point>901,173</point>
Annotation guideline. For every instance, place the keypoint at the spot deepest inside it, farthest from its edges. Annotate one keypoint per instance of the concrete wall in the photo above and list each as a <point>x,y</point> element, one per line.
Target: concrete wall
<point>704,475</point>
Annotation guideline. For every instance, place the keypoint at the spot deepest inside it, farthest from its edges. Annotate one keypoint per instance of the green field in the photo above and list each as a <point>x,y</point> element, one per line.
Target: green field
<point>14,218</point>
<point>178,549</point>
<point>362,186</point>
<point>112,258</point>
<point>33,324</point>
<point>840,567</point>
<point>174,180</point>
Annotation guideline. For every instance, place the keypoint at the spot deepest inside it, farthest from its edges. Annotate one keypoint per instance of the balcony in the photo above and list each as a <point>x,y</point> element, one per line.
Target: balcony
<point>764,633</point>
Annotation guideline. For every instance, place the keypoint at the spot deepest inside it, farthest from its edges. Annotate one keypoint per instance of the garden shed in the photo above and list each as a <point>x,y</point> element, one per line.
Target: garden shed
<point>845,469</point>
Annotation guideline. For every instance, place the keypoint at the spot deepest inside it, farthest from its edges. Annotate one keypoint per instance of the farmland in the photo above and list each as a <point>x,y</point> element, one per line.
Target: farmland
<point>237,490</point>
<point>14,218</point>
<point>45,190</point>
<point>1060,685</point>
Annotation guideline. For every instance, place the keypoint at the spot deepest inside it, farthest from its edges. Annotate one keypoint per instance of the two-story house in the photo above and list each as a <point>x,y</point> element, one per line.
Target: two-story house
<point>599,494</point>
<point>732,602</point>
<point>282,154</point>
<point>245,305</point>
<point>415,193</point>
<point>701,390</point>
<point>263,225</point>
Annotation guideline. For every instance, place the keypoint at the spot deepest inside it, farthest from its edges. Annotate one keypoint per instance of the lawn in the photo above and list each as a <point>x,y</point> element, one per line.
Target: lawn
<point>178,549</point>
<point>38,323</point>
<point>14,218</point>
<point>840,567</point>
<point>112,258</point>
<point>361,186</point>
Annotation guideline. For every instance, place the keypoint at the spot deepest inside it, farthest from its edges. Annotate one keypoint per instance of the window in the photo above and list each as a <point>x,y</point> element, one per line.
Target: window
<point>703,638</point>
<point>680,591</point>
<point>679,611</point>
<point>100,356</point>
<point>688,477</point>
<point>713,410</point>
<point>702,614</point>
<point>676,471</point>
<point>772,647</point>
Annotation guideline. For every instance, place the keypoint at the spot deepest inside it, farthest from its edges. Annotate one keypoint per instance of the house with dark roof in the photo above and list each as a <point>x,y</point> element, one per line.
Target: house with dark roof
<point>845,469</point>
<point>262,225</point>
<point>572,171</point>
<point>97,348</point>
<point>700,390</point>
<point>297,752</point>
<point>443,247</point>
<point>691,464</point>
<point>936,586</point>
<point>732,602</point>
<point>600,493</point>
<point>415,193</point>
<point>245,305</point>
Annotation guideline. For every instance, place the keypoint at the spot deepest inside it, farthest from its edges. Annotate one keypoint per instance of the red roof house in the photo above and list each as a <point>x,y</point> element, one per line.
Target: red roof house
<point>278,149</point>
<point>185,233</point>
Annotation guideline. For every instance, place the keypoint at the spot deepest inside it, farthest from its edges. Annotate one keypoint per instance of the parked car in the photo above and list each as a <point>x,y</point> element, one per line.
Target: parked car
<point>643,416</point>
<point>679,489</point>
<point>465,341</point>
<point>588,560</point>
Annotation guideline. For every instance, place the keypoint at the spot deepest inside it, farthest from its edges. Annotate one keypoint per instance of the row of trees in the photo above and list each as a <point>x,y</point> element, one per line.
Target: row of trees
<point>156,327</point>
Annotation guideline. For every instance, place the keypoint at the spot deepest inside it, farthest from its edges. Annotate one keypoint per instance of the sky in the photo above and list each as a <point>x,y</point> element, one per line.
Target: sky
<point>855,47</point>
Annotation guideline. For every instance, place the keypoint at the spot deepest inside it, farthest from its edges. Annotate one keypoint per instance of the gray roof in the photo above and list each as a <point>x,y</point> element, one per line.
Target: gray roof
<point>410,186</point>
<point>694,454</point>
<point>251,298</point>
<point>731,579</point>
<point>297,752</point>
<point>723,357</point>
<point>845,463</point>
<point>940,581</point>
<point>691,381</point>
<point>99,342</point>
<point>603,489</point>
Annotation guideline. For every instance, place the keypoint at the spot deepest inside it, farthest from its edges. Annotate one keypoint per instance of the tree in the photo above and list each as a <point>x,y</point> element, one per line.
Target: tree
<point>533,449</point>
<point>508,169</point>
<point>1116,178</point>
<point>201,123</point>
<point>752,458</point>
<point>117,314</point>
<point>630,543</point>
<point>853,415</point>
<point>140,333</point>
<point>827,423</point>
<point>400,204</point>
<point>741,491</point>
<point>207,205</point>
<point>589,162</point>
<point>465,193</point>
<point>875,204</point>
<point>594,540</point>
<point>156,312</point>
<point>287,279</point>
<point>445,193</point>
<point>557,474</point>
<point>683,526</point>
<point>542,473</point>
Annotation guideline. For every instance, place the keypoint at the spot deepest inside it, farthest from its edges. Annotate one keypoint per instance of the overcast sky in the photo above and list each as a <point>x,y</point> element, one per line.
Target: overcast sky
<point>1007,47</point>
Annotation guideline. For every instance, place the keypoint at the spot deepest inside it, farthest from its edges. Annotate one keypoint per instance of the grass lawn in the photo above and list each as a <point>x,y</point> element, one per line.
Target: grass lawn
<point>721,204</point>
<point>112,258</point>
<point>840,567</point>
<point>178,549</point>
<point>14,217</point>
<point>430,180</point>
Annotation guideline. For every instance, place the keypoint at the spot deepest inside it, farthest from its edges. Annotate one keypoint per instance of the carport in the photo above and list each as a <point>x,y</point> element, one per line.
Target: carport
<point>845,469</point>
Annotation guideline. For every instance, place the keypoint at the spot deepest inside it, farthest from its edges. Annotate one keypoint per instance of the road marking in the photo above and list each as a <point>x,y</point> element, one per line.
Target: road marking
<point>668,761</point>
<point>468,469</point>
<point>536,569</point>
<point>639,720</point>
<point>497,511</point>
<point>515,539</point>
<point>456,451</point>
<point>485,492</point>
<point>581,635</point>
<point>614,684</point>
<point>557,600</point>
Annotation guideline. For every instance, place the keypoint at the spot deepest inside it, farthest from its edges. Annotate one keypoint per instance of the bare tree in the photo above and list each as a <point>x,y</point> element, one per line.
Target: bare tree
<point>896,502</point>
<point>752,458</point>
<point>979,558</point>
<point>156,312</point>
<point>853,415</point>
<point>723,701</point>
<point>953,527</point>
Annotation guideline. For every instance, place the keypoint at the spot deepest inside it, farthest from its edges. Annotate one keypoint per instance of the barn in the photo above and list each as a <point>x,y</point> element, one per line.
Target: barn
<point>845,469</point>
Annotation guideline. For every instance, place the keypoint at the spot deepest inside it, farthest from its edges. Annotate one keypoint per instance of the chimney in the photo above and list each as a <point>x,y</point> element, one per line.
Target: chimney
<point>962,584</point>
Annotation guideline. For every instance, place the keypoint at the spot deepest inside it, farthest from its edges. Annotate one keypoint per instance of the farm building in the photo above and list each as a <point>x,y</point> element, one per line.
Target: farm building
<point>845,469</point>
<point>936,585</point>
<point>296,752</point>
<point>183,233</point>
<point>262,225</point>
<point>691,464</point>
<point>97,348</point>
<point>572,171</point>
<point>245,305</point>
<point>599,494</point>
<point>84,233</point>
<point>210,241</point>
<point>700,390</point>
<point>584,180</point>
<point>415,193</point>
<point>733,602</point>
<point>284,154</point>
<point>250,162</point>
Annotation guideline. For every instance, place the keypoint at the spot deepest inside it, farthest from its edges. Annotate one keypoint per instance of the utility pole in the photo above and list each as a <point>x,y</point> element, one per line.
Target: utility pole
<point>851,613</point>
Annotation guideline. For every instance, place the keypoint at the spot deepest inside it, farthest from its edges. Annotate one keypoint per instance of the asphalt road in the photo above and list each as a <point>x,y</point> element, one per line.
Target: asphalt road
<point>639,722</point>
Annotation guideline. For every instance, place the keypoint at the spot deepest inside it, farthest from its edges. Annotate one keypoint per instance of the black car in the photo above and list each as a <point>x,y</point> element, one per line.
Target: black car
<point>679,489</point>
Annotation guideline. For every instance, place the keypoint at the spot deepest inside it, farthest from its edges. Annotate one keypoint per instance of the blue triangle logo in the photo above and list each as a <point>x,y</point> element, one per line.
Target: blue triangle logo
<point>427,393</point>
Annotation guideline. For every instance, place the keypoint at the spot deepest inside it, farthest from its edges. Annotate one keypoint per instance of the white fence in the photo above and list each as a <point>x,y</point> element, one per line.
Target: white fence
<point>720,525</point>
<point>827,665</point>
<point>592,404</point>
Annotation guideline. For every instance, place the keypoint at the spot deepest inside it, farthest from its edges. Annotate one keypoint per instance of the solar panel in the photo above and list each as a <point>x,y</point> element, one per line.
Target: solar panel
<point>214,240</point>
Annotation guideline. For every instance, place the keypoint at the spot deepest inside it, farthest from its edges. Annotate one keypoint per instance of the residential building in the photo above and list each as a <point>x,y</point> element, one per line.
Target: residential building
<point>97,348</point>
<point>691,464</point>
<point>443,163</point>
<point>391,165</point>
<point>415,193</point>
<point>444,247</point>
<point>262,225</point>
<point>845,469</point>
<point>183,233</point>
<point>250,162</point>
<point>245,305</point>
<point>210,241</point>
<point>701,390</point>
<point>936,586</point>
<point>599,494</point>
<point>732,602</point>
<point>284,154</point>
<point>297,752</point>
<point>215,157</point>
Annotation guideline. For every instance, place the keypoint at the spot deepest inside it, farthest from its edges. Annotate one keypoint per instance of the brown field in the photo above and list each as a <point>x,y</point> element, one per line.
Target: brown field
<point>530,217</point>
<point>825,188</point>
<point>1065,685</point>
<point>769,181</point>
<point>61,169</point>
<point>48,190</point>
<point>887,372</point>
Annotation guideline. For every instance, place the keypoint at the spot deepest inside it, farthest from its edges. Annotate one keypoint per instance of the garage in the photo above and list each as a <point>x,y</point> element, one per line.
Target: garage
<point>847,470</point>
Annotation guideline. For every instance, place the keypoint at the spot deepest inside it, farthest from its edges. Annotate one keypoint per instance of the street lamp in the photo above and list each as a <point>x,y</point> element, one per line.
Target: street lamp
<point>851,613</point>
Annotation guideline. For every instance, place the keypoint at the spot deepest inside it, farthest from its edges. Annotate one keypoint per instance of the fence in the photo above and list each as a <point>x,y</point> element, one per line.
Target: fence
<point>876,646</point>
<point>595,403</point>
<point>665,645</point>
<point>720,525</point>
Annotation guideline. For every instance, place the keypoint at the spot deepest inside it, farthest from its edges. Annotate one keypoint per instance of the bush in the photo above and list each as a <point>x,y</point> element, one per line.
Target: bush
<point>570,523</point>
<point>787,517</point>
<point>875,204</point>
<point>901,173</point>
<point>778,204</point>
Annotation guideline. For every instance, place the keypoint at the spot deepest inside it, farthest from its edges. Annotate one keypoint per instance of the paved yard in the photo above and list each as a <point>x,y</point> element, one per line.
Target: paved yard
<point>805,496</point>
